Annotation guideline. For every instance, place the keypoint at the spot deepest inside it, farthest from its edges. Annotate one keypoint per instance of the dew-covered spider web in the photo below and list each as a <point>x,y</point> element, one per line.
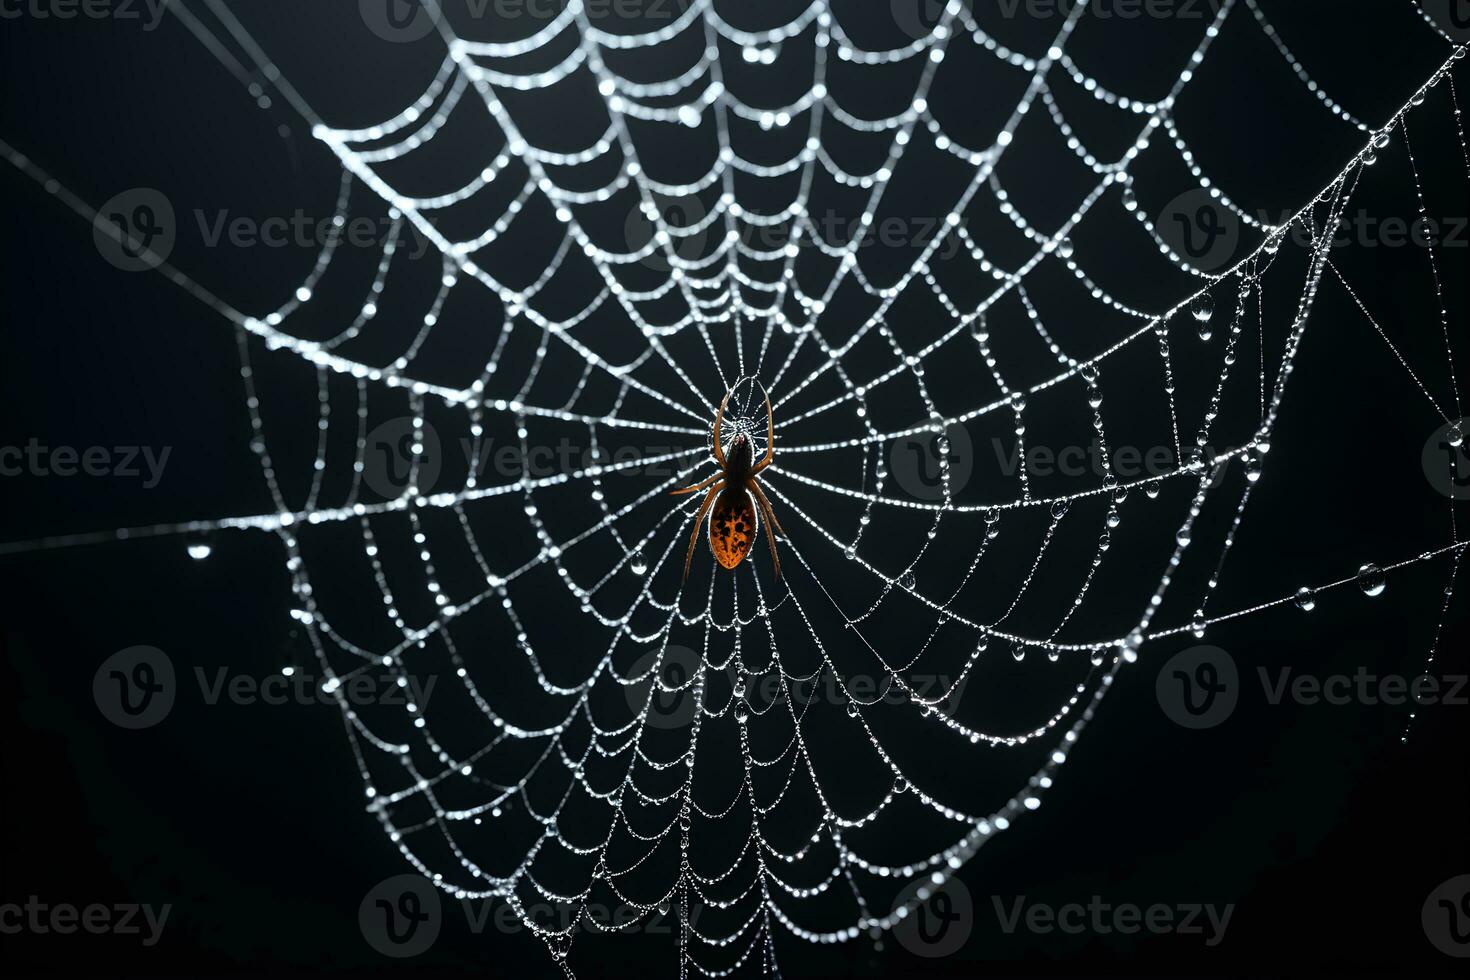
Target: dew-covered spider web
<point>724,198</point>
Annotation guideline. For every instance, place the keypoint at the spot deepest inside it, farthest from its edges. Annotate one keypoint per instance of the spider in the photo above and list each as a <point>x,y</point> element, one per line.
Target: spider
<point>735,494</point>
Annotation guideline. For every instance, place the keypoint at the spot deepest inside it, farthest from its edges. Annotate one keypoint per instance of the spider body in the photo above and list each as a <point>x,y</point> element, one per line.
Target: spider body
<point>734,498</point>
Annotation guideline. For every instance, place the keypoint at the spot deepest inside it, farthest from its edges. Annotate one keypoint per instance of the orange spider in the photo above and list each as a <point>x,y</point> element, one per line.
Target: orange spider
<point>736,494</point>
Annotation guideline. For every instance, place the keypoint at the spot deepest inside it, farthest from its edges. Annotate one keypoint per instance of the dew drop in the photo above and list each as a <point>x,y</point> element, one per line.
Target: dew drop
<point>1203,308</point>
<point>199,544</point>
<point>1371,580</point>
<point>907,580</point>
<point>1059,508</point>
<point>1152,490</point>
<point>1018,651</point>
<point>1197,626</point>
<point>637,565</point>
<point>1064,248</point>
<point>1183,537</point>
<point>1306,599</point>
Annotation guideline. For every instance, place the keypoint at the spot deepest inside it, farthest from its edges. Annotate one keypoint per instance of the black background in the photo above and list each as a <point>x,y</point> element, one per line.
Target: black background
<point>1323,830</point>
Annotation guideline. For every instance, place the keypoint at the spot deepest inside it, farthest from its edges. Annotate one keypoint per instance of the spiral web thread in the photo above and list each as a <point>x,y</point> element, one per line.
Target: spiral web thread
<point>560,794</point>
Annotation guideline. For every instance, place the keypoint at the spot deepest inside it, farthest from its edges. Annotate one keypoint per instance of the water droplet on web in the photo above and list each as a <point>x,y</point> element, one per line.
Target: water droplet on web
<point>1252,466</point>
<point>1183,537</point>
<point>637,564</point>
<point>1306,599</point>
<point>199,545</point>
<point>1456,435</point>
<point>1059,508</point>
<point>1371,580</point>
<point>907,580</point>
<point>1203,308</point>
<point>1064,248</point>
<point>1152,490</point>
<point>1197,626</point>
<point>1018,651</point>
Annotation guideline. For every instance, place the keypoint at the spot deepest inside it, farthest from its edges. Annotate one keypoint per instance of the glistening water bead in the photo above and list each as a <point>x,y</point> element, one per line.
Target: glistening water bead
<point>1306,599</point>
<point>1371,580</point>
<point>199,545</point>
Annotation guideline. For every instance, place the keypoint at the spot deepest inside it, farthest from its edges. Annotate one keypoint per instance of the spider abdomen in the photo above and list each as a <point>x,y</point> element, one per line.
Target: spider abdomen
<point>732,526</point>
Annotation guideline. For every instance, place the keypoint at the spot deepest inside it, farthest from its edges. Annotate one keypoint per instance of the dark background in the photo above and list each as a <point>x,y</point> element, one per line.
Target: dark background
<point>1322,828</point>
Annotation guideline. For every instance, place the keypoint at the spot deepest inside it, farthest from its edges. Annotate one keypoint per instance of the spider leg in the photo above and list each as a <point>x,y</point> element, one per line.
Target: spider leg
<point>698,486</point>
<point>715,431</point>
<point>766,508</point>
<point>770,518</point>
<point>709,498</point>
<point>770,438</point>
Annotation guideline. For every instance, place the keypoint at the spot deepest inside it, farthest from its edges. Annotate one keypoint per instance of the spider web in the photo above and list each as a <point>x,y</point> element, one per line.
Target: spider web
<point>736,750</point>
